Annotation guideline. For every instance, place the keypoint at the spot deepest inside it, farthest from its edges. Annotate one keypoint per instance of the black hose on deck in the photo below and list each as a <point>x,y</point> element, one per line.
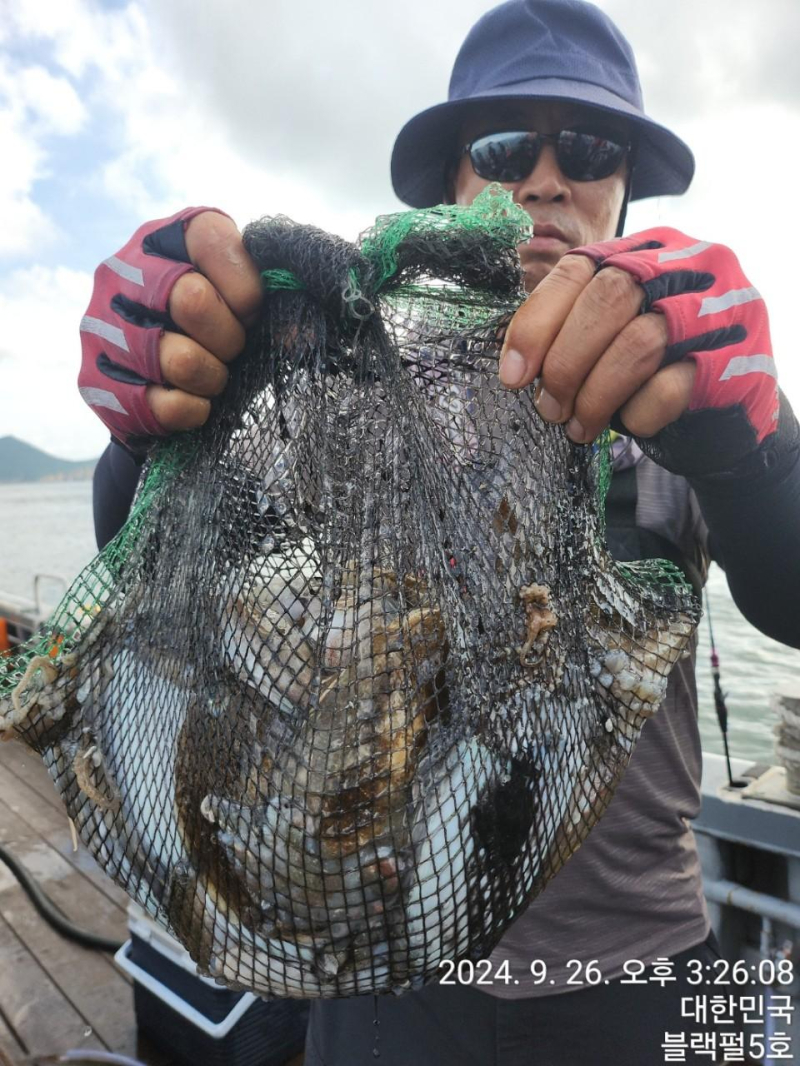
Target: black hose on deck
<point>51,913</point>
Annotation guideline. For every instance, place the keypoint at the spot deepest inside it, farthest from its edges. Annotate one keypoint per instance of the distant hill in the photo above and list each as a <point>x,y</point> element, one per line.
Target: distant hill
<point>22,462</point>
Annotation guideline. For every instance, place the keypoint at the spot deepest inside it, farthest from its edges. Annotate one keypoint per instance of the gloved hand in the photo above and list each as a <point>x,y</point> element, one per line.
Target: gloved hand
<point>667,332</point>
<point>716,318</point>
<point>167,313</point>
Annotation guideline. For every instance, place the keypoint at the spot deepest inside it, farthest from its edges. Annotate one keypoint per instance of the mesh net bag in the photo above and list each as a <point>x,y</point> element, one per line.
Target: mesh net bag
<point>358,676</point>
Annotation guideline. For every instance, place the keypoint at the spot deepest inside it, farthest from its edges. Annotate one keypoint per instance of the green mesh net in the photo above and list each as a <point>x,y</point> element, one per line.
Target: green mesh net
<point>358,676</point>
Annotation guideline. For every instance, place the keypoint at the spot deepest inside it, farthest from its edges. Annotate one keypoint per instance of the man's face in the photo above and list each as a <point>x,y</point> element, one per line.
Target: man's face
<point>581,212</point>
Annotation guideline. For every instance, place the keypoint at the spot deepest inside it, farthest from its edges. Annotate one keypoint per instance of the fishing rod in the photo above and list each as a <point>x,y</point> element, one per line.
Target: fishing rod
<point>719,695</point>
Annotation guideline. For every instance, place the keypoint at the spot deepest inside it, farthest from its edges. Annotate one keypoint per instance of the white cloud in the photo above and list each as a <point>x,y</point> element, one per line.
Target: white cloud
<point>169,143</point>
<point>31,101</point>
<point>699,57</point>
<point>82,34</point>
<point>48,105</point>
<point>743,196</point>
<point>25,225</point>
<point>267,108</point>
<point>41,308</point>
<point>175,154</point>
<point>35,105</point>
<point>317,99</point>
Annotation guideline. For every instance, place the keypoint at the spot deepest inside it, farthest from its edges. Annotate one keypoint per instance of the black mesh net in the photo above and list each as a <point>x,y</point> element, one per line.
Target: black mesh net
<point>358,675</point>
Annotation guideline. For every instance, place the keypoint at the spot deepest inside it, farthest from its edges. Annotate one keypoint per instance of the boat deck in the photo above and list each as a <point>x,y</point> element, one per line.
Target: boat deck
<point>54,994</point>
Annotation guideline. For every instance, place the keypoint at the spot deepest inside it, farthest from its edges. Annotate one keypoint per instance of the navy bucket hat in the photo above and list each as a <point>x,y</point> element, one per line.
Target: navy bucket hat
<point>539,49</point>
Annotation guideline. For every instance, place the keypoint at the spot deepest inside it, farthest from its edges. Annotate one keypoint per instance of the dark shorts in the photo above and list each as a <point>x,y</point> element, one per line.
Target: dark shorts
<point>605,1025</point>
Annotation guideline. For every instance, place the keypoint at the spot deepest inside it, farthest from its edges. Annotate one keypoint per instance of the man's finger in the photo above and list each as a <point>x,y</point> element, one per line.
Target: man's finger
<point>199,310</point>
<point>537,323</point>
<point>177,410</point>
<point>188,366</point>
<point>661,400</point>
<point>595,331</point>
<point>215,247</point>
<point>632,358</point>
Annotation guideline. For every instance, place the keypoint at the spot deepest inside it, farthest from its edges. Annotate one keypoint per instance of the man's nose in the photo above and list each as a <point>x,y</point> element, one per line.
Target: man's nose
<point>545,183</point>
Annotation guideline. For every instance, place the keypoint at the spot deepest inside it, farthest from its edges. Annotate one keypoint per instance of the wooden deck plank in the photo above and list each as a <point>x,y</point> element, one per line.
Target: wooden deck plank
<point>51,823</point>
<point>106,1011</point>
<point>37,834</point>
<point>11,1051</point>
<point>37,1011</point>
<point>84,988</point>
<point>26,764</point>
<point>88,979</point>
<point>74,894</point>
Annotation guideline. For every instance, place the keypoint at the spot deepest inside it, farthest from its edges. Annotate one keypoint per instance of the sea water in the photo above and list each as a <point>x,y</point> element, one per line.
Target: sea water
<point>47,528</point>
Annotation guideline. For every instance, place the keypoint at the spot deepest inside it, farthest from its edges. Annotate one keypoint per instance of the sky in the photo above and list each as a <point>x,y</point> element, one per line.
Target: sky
<point>115,113</point>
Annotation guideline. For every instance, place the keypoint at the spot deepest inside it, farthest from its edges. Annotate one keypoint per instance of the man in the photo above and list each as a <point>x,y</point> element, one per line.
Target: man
<point>662,334</point>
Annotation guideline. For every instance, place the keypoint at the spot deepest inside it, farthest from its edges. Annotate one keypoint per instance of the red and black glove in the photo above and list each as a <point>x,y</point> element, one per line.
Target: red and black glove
<point>124,323</point>
<point>718,319</point>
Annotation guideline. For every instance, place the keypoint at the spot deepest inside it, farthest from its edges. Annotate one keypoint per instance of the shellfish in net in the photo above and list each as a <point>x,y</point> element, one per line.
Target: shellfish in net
<point>358,676</point>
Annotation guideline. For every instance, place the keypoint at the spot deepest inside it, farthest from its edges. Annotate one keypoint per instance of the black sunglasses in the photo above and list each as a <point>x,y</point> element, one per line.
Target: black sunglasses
<point>511,155</point>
